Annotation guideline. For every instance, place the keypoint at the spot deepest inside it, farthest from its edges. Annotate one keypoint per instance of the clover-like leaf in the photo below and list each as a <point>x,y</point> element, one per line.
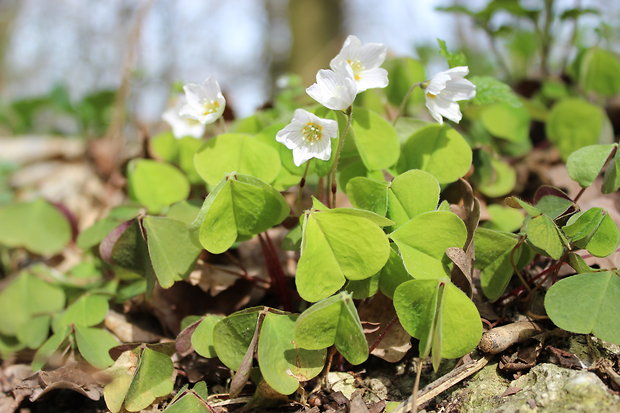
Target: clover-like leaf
<point>493,250</point>
<point>202,339</point>
<point>333,321</point>
<point>86,311</point>
<point>369,194</point>
<point>37,226</point>
<point>337,245</point>
<point>587,303</point>
<point>94,344</point>
<point>233,334</point>
<point>423,241</point>
<point>585,164</point>
<point>26,297</point>
<point>171,248</point>
<point>156,185</point>
<point>574,123</point>
<point>543,234</point>
<point>375,139</point>
<point>611,176</point>
<point>440,315</point>
<point>139,376</point>
<point>439,150</point>
<point>393,274</point>
<point>239,206</point>
<point>593,230</point>
<point>283,364</point>
<point>236,152</point>
<point>410,194</point>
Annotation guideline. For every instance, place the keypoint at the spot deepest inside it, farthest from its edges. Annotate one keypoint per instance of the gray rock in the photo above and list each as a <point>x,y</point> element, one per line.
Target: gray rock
<point>547,388</point>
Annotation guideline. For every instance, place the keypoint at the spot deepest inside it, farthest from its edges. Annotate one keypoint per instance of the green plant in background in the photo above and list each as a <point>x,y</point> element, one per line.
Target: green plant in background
<point>412,233</point>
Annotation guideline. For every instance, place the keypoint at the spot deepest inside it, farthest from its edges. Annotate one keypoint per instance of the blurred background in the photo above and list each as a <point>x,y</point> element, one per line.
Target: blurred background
<point>64,57</point>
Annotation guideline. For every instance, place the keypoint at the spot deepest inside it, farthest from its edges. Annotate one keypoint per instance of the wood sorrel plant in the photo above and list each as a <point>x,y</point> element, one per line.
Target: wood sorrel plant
<point>410,234</point>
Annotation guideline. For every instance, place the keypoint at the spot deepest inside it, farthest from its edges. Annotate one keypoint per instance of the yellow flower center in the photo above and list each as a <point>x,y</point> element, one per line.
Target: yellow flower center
<point>312,132</point>
<point>430,95</point>
<point>357,67</point>
<point>211,107</point>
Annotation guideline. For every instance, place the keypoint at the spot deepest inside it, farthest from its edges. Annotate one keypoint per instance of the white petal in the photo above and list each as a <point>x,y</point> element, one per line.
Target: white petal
<point>458,71</point>
<point>373,78</point>
<point>431,104</point>
<point>334,90</point>
<point>211,89</point>
<point>438,83</point>
<point>193,93</point>
<point>449,109</point>
<point>372,55</point>
<point>460,89</point>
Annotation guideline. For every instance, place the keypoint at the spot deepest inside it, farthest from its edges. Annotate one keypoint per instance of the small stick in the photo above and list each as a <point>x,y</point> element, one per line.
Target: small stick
<point>444,383</point>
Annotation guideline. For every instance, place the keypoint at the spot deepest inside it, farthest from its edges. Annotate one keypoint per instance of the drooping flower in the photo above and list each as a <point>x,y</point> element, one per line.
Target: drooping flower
<point>445,89</point>
<point>182,126</point>
<point>308,136</point>
<point>205,102</point>
<point>334,89</point>
<point>364,61</point>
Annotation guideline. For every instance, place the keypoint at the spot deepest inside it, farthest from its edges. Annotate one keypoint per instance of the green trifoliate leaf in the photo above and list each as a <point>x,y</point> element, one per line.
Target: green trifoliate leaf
<point>33,333</point>
<point>410,194</point>
<point>203,338</point>
<point>86,311</point>
<point>153,378</point>
<point>94,234</point>
<point>574,123</point>
<point>506,121</point>
<point>238,206</point>
<point>544,235</point>
<point>234,152</point>
<point>337,245</point>
<point>587,303</point>
<point>504,218</point>
<point>233,336</point>
<point>361,289</point>
<point>171,248</point>
<point>439,150</point>
<point>369,194</point>
<point>515,202</point>
<point>333,321</point>
<point>94,344</point>
<point>393,274</point>
<point>502,182</point>
<point>611,177</point>
<point>493,250</point>
<point>156,185</point>
<point>37,226</point>
<point>375,138</point>
<point>184,211</point>
<point>283,364</point>
<point>423,242</point>
<point>600,72</point>
<point>26,297</point>
<point>585,164</point>
<point>593,230</point>
<point>440,315</point>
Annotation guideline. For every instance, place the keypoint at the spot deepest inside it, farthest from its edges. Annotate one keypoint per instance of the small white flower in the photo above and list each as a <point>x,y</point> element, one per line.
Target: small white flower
<point>308,136</point>
<point>445,89</point>
<point>364,60</point>
<point>205,102</point>
<point>182,126</point>
<point>334,89</point>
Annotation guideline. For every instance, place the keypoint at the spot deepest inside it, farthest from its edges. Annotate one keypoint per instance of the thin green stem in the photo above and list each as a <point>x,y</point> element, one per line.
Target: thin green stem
<point>403,103</point>
<point>332,172</point>
<point>515,267</point>
<point>416,385</point>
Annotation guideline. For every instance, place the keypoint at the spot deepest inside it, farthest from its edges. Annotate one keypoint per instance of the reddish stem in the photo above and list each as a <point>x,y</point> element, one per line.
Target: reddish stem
<point>381,335</point>
<point>276,273</point>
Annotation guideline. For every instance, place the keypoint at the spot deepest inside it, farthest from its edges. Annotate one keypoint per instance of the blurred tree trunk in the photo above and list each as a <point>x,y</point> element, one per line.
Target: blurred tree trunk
<point>316,32</point>
<point>8,11</point>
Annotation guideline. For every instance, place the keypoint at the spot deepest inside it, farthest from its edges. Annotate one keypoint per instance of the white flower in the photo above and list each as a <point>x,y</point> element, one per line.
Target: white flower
<point>445,89</point>
<point>308,136</point>
<point>364,60</point>
<point>334,89</point>
<point>182,126</point>
<point>205,102</point>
